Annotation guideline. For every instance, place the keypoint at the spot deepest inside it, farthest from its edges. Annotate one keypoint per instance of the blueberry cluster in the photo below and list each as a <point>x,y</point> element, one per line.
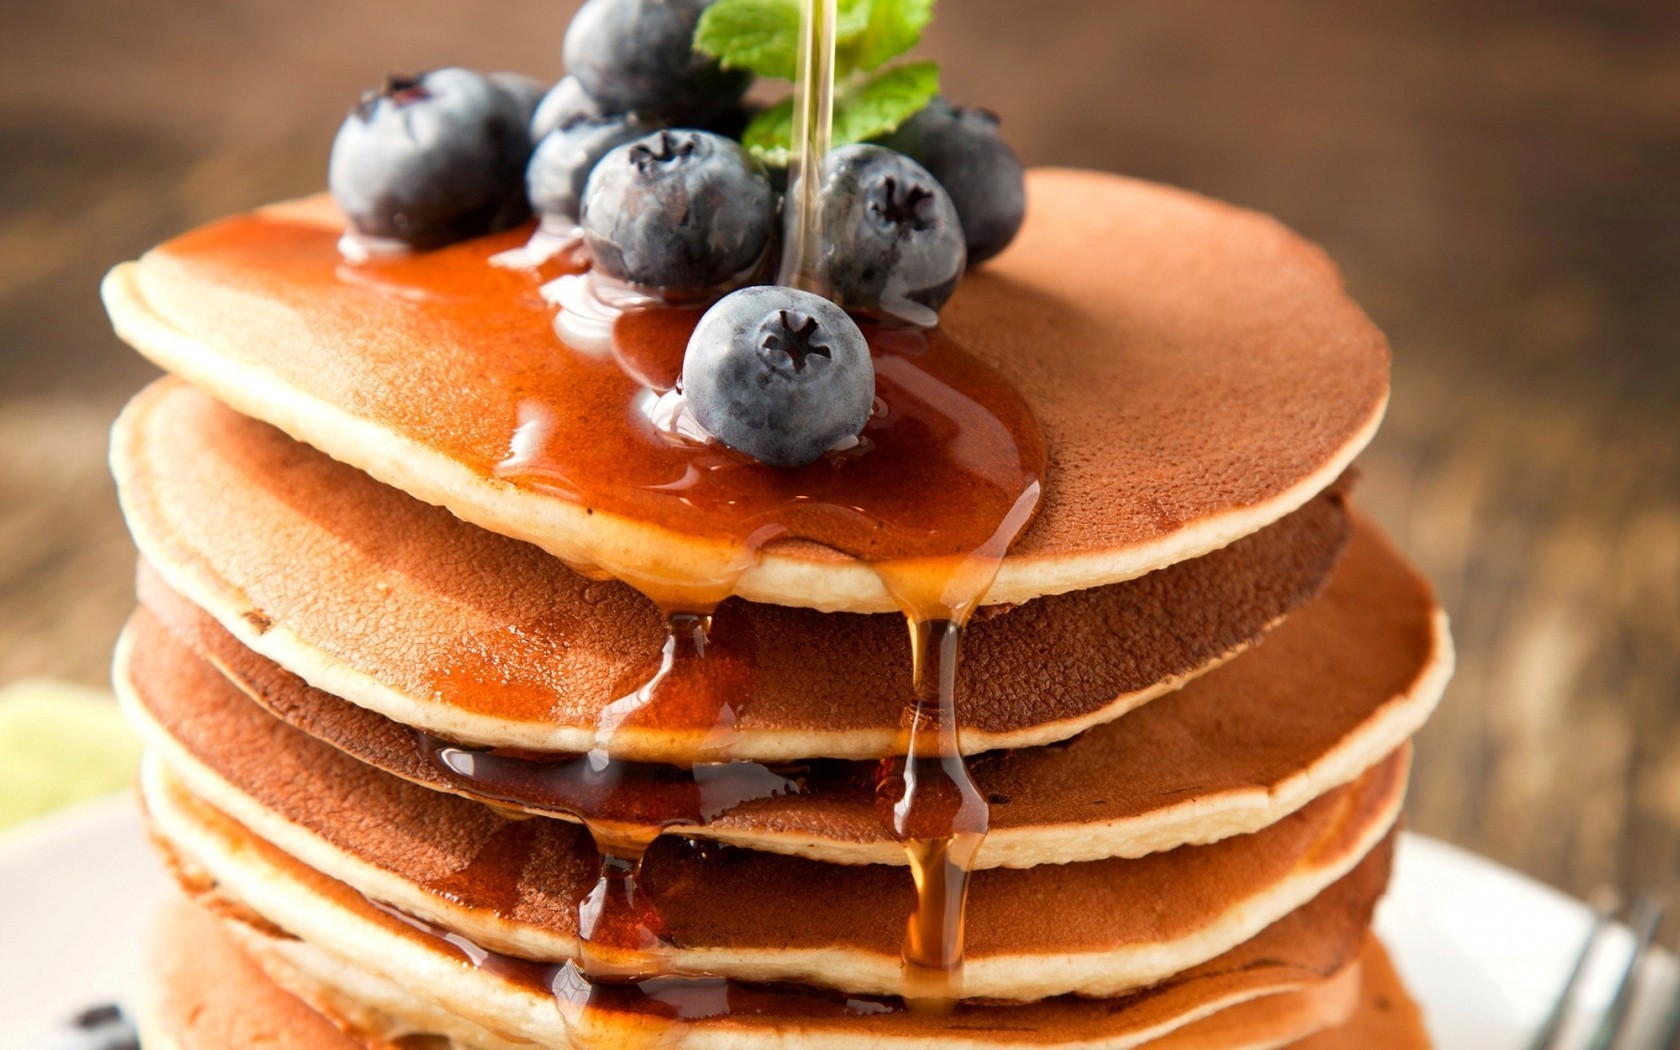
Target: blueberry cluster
<point>635,153</point>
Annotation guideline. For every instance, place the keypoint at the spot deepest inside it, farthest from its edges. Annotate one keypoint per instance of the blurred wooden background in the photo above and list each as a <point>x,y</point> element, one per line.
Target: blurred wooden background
<point>1500,181</point>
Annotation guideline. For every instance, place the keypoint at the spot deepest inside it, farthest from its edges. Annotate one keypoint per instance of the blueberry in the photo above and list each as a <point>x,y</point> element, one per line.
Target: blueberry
<point>637,56</point>
<point>677,210</point>
<point>893,243</point>
<point>961,147</point>
<point>565,102</point>
<point>780,374</point>
<point>526,92</point>
<point>561,165</point>
<point>432,159</point>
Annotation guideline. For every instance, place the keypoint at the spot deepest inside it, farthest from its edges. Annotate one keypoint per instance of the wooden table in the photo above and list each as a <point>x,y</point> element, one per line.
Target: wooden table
<point>1497,179</point>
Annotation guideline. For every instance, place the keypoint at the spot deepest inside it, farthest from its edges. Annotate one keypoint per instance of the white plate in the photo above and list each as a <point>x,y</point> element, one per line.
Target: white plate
<point>1482,948</point>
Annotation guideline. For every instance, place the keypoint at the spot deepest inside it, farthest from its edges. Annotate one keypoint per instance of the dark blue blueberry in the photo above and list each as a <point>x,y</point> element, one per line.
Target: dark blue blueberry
<point>960,146</point>
<point>565,102</point>
<point>637,56</point>
<point>678,210</point>
<point>564,158</point>
<point>96,1028</point>
<point>526,92</point>
<point>892,240</point>
<point>780,374</point>
<point>432,159</point>
<point>732,123</point>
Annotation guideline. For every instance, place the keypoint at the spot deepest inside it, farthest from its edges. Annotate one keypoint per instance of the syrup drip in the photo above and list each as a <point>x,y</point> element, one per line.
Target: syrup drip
<point>938,813</point>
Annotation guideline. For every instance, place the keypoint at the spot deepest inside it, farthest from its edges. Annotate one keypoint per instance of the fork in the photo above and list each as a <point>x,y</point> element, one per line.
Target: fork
<point>1644,919</point>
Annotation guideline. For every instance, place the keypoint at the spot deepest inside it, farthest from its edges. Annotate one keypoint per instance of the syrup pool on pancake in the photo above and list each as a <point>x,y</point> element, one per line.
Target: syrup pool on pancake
<point>758,419</point>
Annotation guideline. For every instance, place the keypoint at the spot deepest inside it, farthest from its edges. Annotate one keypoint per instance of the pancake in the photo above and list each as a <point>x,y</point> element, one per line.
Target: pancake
<point>378,955</point>
<point>1339,685</point>
<point>207,992</point>
<point>408,611</point>
<point>1268,1020</point>
<point>218,984</point>
<point>202,992</point>
<point>1171,429</point>
<point>1094,928</point>
<point>1386,1018</point>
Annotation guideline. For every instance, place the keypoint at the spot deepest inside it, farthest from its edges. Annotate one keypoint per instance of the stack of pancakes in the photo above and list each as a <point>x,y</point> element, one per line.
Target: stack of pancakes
<point>1187,702</point>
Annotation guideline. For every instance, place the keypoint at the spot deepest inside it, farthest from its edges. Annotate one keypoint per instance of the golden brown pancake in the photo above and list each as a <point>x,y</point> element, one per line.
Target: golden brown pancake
<point>203,993</point>
<point>1386,1018</point>
<point>1270,1020</point>
<point>1340,684</point>
<point>411,612</point>
<point>1172,428</point>
<point>1094,928</point>
<point>209,993</point>
<point>386,962</point>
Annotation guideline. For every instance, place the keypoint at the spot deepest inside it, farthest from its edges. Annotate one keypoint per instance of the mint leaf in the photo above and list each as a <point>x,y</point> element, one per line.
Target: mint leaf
<point>862,111</point>
<point>760,35</point>
<point>763,35</point>
<point>854,19</point>
<point>890,28</point>
<point>884,101</point>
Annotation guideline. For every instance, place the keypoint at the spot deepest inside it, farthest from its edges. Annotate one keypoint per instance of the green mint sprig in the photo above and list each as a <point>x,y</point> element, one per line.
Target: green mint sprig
<point>763,36</point>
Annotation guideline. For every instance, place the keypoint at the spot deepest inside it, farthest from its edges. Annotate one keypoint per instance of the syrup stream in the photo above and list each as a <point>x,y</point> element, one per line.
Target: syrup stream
<point>813,131</point>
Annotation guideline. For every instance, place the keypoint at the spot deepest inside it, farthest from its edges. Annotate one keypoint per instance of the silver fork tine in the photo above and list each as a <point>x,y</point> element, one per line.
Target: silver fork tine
<point>1646,917</point>
<point>1550,1035</point>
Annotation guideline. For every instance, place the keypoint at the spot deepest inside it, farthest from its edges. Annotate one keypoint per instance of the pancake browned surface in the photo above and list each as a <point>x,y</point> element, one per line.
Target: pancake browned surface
<point>344,937</point>
<point>1230,418</point>
<point>518,884</point>
<point>1340,684</point>
<point>407,610</point>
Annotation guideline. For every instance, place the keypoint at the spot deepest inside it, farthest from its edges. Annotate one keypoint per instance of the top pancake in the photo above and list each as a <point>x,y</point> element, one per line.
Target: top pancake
<point>1197,372</point>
